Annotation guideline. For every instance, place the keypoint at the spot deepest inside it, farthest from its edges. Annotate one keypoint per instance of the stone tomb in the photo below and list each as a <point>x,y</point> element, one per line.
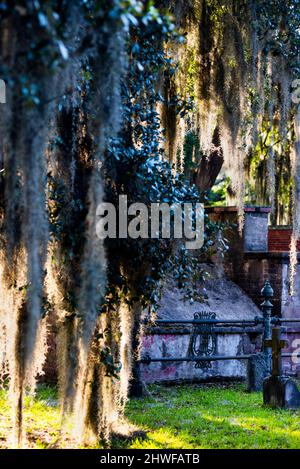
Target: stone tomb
<point>228,301</point>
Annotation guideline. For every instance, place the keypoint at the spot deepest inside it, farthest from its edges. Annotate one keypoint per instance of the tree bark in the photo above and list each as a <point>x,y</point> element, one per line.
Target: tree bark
<point>210,165</point>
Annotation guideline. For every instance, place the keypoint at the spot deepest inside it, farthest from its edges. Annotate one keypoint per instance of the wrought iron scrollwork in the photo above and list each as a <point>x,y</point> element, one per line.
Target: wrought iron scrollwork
<point>203,339</point>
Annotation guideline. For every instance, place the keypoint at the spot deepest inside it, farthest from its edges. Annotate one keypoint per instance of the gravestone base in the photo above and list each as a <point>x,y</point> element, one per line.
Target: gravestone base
<point>257,372</point>
<point>281,391</point>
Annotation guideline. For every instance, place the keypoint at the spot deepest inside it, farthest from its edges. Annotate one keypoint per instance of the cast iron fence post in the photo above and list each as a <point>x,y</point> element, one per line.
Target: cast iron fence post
<point>267,293</point>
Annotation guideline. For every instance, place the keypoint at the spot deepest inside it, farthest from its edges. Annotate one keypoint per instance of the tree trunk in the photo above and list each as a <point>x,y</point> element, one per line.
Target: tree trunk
<point>210,165</point>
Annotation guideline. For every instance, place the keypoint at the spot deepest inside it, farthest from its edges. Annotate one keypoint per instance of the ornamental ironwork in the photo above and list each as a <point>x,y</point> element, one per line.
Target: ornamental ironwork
<point>203,339</point>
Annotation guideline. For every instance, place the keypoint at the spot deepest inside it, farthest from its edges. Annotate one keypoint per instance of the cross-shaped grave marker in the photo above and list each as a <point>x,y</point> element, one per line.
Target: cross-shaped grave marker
<point>276,343</point>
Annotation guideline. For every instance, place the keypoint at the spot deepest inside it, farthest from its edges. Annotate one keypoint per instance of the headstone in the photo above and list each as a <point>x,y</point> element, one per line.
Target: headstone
<point>279,391</point>
<point>257,371</point>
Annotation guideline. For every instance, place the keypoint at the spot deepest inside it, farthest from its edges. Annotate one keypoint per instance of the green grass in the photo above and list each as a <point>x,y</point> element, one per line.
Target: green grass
<point>190,416</point>
<point>41,417</point>
<point>212,417</point>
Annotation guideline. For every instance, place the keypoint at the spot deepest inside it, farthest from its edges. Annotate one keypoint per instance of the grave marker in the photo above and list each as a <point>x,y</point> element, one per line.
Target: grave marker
<point>276,343</point>
<point>279,391</point>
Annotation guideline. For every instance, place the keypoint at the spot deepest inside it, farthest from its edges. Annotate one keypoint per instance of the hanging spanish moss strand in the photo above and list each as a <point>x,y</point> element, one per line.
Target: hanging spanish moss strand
<point>27,115</point>
<point>125,357</point>
<point>271,170</point>
<point>285,82</point>
<point>108,72</point>
<point>296,203</point>
<point>65,250</point>
<point>255,45</point>
<point>24,156</point>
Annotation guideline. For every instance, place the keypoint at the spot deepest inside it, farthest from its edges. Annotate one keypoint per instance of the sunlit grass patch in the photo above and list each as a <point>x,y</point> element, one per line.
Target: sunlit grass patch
<point>212,417</point>
<point>190,417</point>
<point>41,418</point>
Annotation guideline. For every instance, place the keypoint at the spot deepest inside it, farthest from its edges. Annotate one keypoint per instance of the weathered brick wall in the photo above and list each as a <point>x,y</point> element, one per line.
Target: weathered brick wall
<point>253,269</point>
<point>279,238</point>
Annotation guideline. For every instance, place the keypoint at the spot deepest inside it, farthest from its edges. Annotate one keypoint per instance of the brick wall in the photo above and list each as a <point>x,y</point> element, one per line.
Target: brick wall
<point>279,239</point>
<point>251,271</point>
<point>249,266</point>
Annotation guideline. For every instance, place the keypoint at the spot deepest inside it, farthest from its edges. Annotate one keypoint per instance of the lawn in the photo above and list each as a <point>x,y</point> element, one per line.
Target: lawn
<point>212,417</point>
<point>190,416</point>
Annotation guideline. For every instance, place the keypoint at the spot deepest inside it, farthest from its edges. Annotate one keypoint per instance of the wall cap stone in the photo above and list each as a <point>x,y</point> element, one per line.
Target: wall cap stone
<point>284,255</point>
<point>281,227</point>
<point>220,209</point>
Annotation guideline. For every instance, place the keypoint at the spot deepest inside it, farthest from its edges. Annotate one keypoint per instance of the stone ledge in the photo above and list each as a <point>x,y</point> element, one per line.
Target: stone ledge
<point>284,255</point>
<point>281,227</point>
<point>159,330</point>
<point>218,209</point>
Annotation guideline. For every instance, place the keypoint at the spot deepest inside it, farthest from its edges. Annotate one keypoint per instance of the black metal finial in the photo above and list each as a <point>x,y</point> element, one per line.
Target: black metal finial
<point>267,291</point>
